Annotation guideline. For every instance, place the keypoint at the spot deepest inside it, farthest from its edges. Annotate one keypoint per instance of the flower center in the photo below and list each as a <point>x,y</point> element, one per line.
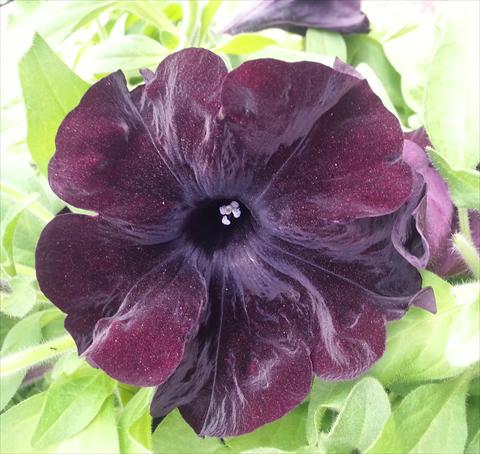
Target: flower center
<point>213,224</point>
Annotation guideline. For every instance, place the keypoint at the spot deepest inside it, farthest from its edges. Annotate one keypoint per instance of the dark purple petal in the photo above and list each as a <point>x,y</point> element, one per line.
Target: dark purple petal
<point>348,320</point>
<point>361,253</point>
<point>358,335</point>
<point>432,214</point>
<point>262,366</point>
<point>338,167</point>
<point>105,159</point>
<point>86,270</point>
<point>180,105</point>
<point>408,235</point>
<point>298,15</point>
<point>269,108</point>
<point>144,342</point>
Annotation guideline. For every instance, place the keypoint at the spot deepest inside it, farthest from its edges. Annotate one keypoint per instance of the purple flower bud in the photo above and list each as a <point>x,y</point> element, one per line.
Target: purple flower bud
<point>342,16</point>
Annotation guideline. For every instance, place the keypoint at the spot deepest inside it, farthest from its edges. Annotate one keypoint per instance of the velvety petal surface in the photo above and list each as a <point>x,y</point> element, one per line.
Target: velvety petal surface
<point>180,105</point>
<point>106,161</point>
<point>347,319</point>
<point>144,342</point>
<point>262,366</point>
<point>348,166</point>
<point>269,107</point>
<point>85,267</point>
<point>338,15</point>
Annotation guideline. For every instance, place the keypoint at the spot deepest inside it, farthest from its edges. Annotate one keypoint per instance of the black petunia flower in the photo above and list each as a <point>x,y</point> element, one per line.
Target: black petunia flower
<point>243,237</point>
<point>297,16</point>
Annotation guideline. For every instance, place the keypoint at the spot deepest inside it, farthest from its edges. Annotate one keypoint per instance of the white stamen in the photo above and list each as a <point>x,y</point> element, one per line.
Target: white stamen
<point>225,221</point>
<point>236,213</point>
<point>222,209</point>
<point>234,204</point>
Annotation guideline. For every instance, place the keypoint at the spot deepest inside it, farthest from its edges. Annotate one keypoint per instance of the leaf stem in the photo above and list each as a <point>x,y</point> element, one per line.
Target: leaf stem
<point>468,252</point>
<point>464,224</point>
<point>33,356</point>
<point>34,207</point>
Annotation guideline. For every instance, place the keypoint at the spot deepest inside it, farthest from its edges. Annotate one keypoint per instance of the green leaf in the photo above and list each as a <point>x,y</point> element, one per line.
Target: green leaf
<point>50,90</point>
<point>284,434</point>
<point>8,226</point>
<point>463,343</point>
<point>151,12</point>
<point>326,43</point>
<point>70,405</point>
<point>17,427</point>
<point>18,424</point>
<point>26,333</point>
<point>245,44</point>
<point>361,420</point>
<point>413,32</point>
<point>67,364</point>
<point>376,86</point>
<point>463,184</point>
<point>20,298</point>
<point>424,359</point>
<point>128,53</point>
<point>473,422</point>
<point>208,14</point>
<point>474,446</point>
<point>324,395</point>
<point>99,437</point>
<point>451,104</point>
<point>175,436</point>
<point>430,419</point>
<point>365,49</point>
<point>288,55</point>
<point>135,423</point>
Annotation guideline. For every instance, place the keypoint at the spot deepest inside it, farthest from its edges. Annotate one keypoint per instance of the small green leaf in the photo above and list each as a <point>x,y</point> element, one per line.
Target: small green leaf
<point>151,12</point>
<point>365,49</point>
<point>326,43</point>
<point>50,90</point>
<point>67,364</point>
<point>128,53</point>
<point>463,184</point>
<point>284,54</point>
<point>245,44</point>
<point>70,405</point>
<point>135,423</point>
<point>208,14</point>
<point>361,420</point>
<point>473,419</point>
<point>175,436</point>
<point>376,85</point>
<point>474,446</point>
<point>8,225</point>
<point>413,32</point>
<point>26,333</point>
<point>463,342</point>
<point>424,359</point>
<point>283,435</point>
<point>451,103</point>
<point>18,424</point>
<point>20,298</point>
<point>430,419</point>
<point>324,395</point>
<point>99,437</point>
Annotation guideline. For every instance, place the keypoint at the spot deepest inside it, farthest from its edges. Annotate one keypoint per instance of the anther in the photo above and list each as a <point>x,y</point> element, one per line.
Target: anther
<point>233,208</point>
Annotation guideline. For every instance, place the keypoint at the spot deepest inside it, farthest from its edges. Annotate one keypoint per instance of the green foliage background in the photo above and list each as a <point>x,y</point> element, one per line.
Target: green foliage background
<point>422,396</point>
